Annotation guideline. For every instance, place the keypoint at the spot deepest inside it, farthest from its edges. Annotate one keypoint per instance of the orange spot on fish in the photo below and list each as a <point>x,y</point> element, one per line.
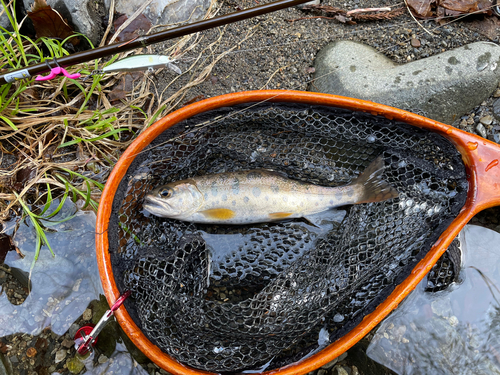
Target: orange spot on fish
<point>491,165</point>
<point>219,213</point>
<point>280,215</point>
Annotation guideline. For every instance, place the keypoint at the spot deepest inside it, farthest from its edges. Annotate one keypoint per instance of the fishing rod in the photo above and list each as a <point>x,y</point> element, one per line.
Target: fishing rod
<point>146,40</point>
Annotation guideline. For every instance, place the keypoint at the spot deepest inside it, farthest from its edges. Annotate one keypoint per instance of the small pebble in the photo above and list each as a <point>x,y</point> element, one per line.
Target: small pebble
<point>496,109</point>
<point>481,130</point>
<point>486,120</point>
<point>75,366</point>
<point>342,356</point>
<point>321,371</point>
<point>68,343</point>
<point>31,352</point>
<point>415,42</point>
<point>330,364</point>
<point>341,370</point>
<point>102,359</point>
<point>355,370</point>
<point>60,355</point>
<point>496,94</point>
<point>87,314</point>
<point>2,274</point>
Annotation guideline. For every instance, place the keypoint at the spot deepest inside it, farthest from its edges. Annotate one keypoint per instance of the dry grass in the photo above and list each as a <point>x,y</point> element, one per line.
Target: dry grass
<point>66,125</point>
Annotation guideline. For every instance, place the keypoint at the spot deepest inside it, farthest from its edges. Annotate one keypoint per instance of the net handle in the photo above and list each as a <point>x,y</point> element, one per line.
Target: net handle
<point>481,158</point>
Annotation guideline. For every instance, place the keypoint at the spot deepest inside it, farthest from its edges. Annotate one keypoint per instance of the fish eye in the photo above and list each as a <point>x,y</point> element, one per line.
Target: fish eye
<point>166,193</point>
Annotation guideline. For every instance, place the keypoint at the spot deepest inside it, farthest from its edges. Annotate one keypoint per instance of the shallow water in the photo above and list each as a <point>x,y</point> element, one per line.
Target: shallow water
<point>62,287</point>
<point>456,330</point>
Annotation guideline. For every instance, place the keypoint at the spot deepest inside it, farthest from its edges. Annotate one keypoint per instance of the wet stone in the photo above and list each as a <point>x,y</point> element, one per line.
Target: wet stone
<point>341,371</point>
<point>68,343</point>
<point>87,314</point>
<point>60,355</point>
<point>102,359</point>
<point>496,109</point>
<point>481,130</point>
<point>486,120</point>
<point>74,365</point>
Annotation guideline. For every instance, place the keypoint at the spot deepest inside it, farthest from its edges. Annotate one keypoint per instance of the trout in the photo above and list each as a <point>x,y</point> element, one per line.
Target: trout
<point>261,195</point>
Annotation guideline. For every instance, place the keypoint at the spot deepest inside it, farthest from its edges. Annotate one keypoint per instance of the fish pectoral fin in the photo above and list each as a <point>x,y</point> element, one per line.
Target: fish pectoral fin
<point>219,213</point>
<point>280,215</point>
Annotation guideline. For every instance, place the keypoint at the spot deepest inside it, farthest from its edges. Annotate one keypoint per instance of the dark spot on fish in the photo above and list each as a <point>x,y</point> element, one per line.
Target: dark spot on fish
<point>214,189</point>
<point>254,174</point>
<point>256,192</point>
<point>246,199</point>
<point>331,201</point>
<point>350,193</point>
<point>205,195</point>
<point>224,197</point>
<point>285,198</point>
<point>233,203</point>
<point>339,195</point>
<point>275,188</point>
<point>236,186</point>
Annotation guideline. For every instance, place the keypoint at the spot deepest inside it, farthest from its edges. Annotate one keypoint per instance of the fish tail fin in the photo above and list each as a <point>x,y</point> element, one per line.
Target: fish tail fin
<point>375,189</point>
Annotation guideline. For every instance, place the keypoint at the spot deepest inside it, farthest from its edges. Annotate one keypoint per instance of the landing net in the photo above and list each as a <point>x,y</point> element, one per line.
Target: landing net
<point>232,298</point>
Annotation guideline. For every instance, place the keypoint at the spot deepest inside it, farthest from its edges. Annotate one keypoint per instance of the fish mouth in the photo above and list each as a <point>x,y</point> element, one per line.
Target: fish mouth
<point>157,207</point>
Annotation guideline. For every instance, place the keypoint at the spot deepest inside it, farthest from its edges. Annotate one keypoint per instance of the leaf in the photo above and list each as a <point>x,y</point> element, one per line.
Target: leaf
<point>49,23</point>
<point>421,8</point>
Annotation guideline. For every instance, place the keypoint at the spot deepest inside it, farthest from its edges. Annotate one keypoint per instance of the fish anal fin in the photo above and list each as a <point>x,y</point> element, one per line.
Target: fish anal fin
<point>280,215</point>
<point>219,213</point>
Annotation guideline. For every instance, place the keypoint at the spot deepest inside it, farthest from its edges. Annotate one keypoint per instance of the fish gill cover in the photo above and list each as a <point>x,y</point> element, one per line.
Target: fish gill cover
<point>229,298</point>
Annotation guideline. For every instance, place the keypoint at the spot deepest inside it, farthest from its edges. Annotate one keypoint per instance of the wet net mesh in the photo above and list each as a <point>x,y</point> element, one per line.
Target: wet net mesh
<point>230,298</point>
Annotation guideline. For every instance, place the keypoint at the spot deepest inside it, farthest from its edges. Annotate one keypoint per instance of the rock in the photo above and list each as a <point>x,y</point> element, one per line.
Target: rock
<point>87,314</point>
<point>102,359</point>
<point>481,130</point>
<point>78,14</point>
<point>496,109</point>
<point>415,42</point>
<point>444,86</point>
<point>75,365</point>
<point>342,356</point>
<point>73,329</point>
<point>68,343</point>
<point>164,12</point>
<point>486,120</point>
<point>60,355</point>
<point>330,364</point>
<point>314,2</point>
<point>341,370</point>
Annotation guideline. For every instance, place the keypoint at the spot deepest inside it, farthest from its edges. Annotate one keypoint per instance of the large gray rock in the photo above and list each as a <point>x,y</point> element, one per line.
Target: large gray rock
<point>162,12</point>
<point>443,87</point>
<point>79,15</point>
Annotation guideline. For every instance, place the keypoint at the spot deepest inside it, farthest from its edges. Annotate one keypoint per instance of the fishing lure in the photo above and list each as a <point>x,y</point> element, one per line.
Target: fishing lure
<point>139,62</point>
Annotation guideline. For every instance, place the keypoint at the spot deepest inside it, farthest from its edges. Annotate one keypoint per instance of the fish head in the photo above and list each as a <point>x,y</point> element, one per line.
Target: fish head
<point>177,200</point>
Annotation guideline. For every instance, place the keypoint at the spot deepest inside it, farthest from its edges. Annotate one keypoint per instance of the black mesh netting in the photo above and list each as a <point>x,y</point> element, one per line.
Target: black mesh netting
<point>229,298</point>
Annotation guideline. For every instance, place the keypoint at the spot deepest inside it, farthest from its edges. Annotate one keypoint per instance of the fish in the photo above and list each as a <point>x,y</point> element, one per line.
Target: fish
<point>261,195</point>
